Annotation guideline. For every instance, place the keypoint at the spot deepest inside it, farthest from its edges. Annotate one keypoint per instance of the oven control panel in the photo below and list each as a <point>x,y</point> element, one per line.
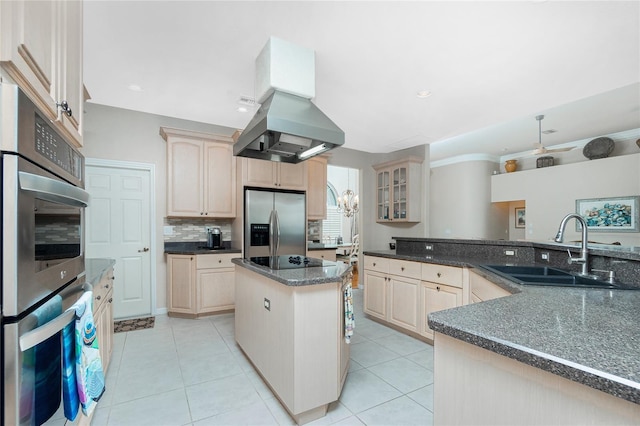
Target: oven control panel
<point>51,146</point>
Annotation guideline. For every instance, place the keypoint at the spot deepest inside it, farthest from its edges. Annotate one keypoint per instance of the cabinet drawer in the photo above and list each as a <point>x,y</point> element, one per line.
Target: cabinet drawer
<point>379,264</point>
<point>405,268</point>
<point>101,289</point>
<point>208,261</point>
<point>449,275</point>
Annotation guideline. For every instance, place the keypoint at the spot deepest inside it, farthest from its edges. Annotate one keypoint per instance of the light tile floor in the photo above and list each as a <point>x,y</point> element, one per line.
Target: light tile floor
<point>191,372</point>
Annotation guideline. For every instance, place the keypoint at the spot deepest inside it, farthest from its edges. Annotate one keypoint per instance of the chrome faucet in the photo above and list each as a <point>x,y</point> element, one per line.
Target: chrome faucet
<point>584,252</point>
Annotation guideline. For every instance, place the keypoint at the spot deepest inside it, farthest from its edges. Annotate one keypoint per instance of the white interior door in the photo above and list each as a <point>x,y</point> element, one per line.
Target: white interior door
<point>118,226</point>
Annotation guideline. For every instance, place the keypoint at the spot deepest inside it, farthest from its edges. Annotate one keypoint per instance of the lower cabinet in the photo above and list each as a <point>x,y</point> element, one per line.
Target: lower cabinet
<point>437,297</point>
<point>323,254</point>
<point>404,293</point>
<point>391,291</point>
<point>103,316</point>
<point>200,284</point>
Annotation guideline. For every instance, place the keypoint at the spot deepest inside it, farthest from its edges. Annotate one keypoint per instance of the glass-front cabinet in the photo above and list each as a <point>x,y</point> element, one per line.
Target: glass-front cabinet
<point>398,190</point>
<point>383,195</point>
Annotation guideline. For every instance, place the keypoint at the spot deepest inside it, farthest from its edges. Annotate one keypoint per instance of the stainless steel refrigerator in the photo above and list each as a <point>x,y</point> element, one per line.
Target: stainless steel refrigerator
<point>275,223</point>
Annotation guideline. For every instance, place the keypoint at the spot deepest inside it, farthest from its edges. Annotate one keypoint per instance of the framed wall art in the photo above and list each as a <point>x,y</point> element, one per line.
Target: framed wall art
<point>520,217</point>
<point>614,214</point>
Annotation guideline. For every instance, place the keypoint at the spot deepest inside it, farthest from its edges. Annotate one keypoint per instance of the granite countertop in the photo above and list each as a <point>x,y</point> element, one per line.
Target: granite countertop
<point>197,247</point>
<point>590,336</point>
<point>96,268</point>
<point>329,272</point>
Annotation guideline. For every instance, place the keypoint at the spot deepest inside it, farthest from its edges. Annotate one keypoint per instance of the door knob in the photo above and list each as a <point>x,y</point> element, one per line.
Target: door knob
<point>146,249</point>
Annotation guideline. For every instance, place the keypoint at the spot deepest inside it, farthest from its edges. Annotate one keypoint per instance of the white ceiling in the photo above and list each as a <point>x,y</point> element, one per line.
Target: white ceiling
<point>491,66</point>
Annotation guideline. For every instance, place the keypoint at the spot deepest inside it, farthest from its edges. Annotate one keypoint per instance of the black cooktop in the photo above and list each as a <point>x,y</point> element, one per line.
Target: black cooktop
<point>288,261</point>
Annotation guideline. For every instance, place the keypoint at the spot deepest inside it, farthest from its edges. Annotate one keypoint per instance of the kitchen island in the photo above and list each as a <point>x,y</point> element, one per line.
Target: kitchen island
<point>290,324</point>
<point>542,355</point>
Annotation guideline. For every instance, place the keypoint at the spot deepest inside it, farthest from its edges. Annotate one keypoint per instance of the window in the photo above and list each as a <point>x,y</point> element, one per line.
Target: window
<point>332,225</point>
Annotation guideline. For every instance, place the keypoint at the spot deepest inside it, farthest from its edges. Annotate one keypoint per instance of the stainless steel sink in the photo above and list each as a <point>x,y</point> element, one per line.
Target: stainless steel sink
<point>546,276</point>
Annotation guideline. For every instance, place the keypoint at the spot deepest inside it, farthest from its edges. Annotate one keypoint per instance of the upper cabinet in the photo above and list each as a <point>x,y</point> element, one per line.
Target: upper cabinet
<point>41,51</point>
<point>317,188</point>
<point>201,174</point>
<point>271,174</point>
<point>398,190</point>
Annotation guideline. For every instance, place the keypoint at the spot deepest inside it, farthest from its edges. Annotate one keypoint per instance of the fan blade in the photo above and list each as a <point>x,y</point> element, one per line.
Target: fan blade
<point>540,150</point>
<point>560,149</point>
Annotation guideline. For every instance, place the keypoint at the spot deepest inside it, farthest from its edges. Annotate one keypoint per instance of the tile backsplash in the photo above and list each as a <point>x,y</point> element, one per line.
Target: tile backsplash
<point>314,230</point>
<point>194,230</point>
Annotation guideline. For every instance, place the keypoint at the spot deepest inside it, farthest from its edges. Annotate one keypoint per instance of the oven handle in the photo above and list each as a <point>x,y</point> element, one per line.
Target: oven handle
<point>42,333</point>
<point>53,190</point>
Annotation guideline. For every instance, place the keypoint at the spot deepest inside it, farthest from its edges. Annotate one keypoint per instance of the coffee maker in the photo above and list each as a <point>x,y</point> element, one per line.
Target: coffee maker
<point>214,238</point>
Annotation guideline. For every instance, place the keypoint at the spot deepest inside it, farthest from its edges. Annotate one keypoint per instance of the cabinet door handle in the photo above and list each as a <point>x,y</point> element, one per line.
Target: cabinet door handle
<point>438,288</point>
<point>110,299</point>
<point>64,106</point>
<point>106,286</point>
<point>402,268</point>
<point>439,274</point>
<point>219,260</point>
<point>374,263</point>
<point>98,297</point>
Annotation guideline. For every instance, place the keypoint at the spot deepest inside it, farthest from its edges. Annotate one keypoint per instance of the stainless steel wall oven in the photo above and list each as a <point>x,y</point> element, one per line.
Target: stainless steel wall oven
<point>43,203</point>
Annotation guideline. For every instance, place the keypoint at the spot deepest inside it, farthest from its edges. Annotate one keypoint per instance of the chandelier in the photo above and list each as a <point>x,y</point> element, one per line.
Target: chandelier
<point>348,203</point>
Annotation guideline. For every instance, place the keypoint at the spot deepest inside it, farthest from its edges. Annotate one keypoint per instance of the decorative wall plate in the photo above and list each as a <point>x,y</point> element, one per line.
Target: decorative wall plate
<point>598,148</point>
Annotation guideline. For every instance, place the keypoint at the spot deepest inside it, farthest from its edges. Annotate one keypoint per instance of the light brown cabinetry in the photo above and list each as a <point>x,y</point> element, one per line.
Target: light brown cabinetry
<point>181,294</point>
<point>391,291</point>
<point>41,51</point>
<point>103,316</point>
<point>398,190</point>
<point>215,290</point>
<point>437,297</point>
<point>201,174</point>
<point>404,293</point>
<point>292,355</point>
<point>482,289</point>
<point>270,174</point>
<point>200,284</point>
<point>317,189</point>
<point>323,254</point>
<point>441,288</point>
<point>376,275</point>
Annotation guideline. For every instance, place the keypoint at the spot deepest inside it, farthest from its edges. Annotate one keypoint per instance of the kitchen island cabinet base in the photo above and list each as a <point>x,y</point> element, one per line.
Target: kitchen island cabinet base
<point>494,389</point>
<point>294,336</point>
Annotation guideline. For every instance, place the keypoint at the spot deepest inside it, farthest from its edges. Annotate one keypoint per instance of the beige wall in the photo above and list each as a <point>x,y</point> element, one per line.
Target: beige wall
<point>461,202</point>
<point>550,193</point>
<point>124,135</point>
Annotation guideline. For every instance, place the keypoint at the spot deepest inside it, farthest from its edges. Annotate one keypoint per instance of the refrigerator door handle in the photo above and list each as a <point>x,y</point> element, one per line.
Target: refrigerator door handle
<point>277,232</point>
<point>272,236</point>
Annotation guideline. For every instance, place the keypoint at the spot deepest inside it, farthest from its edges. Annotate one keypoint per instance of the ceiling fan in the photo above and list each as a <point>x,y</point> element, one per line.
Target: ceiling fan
<point>540,149</point>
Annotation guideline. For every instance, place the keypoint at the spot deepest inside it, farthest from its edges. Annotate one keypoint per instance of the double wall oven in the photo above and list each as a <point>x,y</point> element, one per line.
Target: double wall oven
<point>43,203</point>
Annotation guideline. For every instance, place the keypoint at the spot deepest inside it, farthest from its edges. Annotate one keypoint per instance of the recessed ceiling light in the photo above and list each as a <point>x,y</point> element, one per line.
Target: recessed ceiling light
<point>423,94</point>
<point>134,88</point>
<point>242,109</point>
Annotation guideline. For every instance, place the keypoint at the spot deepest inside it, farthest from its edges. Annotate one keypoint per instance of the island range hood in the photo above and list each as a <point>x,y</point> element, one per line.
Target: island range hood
<point>287,127</point>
